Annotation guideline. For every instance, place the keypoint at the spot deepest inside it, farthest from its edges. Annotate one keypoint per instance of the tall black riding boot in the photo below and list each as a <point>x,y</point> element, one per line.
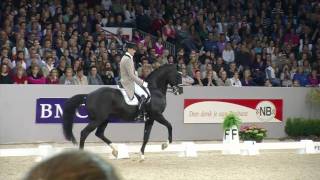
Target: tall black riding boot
<point>141,108</point>
<point>142,102</point>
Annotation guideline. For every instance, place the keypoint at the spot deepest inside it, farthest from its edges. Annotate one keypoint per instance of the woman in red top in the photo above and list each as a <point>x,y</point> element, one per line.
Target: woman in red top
<point>20,76</point>
<point>314,81</point>
<point>169,32</point>
<point>36,76</point>
<point>53,77</point>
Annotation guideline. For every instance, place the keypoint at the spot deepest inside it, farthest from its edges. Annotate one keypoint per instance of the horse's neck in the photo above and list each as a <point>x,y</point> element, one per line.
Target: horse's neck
<point>159,85</point>
<point>159,78</point>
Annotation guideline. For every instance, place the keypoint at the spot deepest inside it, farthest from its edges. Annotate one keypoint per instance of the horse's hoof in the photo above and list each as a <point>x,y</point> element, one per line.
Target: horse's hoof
<point>164,146</point>
<point>141,157</point>
<point>115,153</point>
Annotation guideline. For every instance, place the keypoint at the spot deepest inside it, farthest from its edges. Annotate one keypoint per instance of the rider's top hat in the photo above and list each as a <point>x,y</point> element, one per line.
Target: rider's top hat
<point>131,45</point>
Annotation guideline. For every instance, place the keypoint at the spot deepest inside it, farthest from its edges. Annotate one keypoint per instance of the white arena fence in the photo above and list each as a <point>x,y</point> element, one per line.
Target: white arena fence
<point>184,149</point>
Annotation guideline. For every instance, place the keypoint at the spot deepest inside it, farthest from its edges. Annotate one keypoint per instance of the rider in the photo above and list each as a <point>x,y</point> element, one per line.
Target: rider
<point>130,80</point>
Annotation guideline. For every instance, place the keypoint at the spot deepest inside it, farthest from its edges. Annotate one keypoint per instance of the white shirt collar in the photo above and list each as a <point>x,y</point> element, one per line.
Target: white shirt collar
<point>127,53</point>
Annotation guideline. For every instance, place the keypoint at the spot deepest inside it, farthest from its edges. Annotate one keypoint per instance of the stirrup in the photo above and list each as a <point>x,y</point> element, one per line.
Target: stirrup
<point>142,117</point>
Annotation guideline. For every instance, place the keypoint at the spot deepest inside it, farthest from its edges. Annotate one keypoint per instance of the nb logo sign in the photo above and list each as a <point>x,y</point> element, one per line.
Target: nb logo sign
<point>265,111</point>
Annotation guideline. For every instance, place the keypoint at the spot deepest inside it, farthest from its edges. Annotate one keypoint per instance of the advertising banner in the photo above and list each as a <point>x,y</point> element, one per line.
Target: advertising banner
<point>249,110</point>
<point>50,110</point>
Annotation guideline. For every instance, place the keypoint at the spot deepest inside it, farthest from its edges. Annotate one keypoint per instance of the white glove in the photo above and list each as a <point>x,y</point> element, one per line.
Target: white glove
<point>145,84</point>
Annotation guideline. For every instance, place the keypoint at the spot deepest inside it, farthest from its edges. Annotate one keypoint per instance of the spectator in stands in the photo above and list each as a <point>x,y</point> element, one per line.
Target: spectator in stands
<point>258,77</point>
<point>219,65</point>
<point>76,64</point>
<point>20,60</point>
<point>247,79</point>
<point>6,61</point>
<point>271,74</point>
<point>223,80</point>
<point>34,58</point>
<point>296,83</point>
<point>235,81</point>
<point>5,76</point>
<point>232,69</point>
<point>169,31</point>
<point>313,79</point>
<point>209,80</point>
<point>107,75</point>
<point>67,78</point>
<point>76,165</point>
<point>228,54</point>
<point>300,77</point>
<point>62,66</point>
<point>80,78</point>
<point>53,77</point>
<point>258,63</point>
<point>145,71</point>
<point>285,77</point>
<point>20,77</point>
<point>197,79</point>
<point>48,66</point>
<point>94,78</point>
<point>158,46</point>
<point>267,83</point>
<point>210,45</point>
<point>20,47</point>
<point>36,76</point>
<point>205,68</point>
<point>243,57</point>
<point>186,79</point>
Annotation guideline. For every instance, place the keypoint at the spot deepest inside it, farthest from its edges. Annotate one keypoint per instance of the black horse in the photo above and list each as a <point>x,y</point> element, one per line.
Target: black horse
<point>107,102</point>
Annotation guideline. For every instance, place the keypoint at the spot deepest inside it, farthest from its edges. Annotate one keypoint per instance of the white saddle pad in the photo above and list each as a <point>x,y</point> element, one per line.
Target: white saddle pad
<point>133,102</point>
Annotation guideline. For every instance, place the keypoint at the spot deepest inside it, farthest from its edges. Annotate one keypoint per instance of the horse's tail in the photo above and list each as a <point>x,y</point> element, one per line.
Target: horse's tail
<point>69,111</point>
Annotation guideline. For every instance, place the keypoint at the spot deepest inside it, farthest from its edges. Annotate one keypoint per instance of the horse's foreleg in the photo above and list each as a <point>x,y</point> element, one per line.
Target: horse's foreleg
<point>86,131</point>
<point>146,135</point>
<point>166,123</point>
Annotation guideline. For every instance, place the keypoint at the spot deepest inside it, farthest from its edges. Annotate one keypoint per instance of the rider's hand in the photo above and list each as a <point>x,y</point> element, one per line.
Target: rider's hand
<point>145,84</point>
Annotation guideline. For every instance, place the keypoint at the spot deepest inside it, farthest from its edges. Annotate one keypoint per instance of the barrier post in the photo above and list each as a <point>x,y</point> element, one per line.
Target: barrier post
<point>249,148</point>
<point>308,147</point>
<point>189,150</point>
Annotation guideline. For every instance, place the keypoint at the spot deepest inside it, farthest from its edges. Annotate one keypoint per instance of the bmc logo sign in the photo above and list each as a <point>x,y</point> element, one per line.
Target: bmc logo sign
<point>50,110</point>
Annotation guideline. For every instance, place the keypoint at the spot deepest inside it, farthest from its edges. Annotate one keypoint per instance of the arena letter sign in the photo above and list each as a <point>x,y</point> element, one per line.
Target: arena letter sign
<point>249,110</point>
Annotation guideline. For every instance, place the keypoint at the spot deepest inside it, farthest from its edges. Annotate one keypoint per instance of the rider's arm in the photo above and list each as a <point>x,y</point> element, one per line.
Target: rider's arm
<point>132,75</point>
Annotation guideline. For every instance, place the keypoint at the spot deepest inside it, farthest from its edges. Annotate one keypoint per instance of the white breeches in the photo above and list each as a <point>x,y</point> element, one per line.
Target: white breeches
<point>140,91</point>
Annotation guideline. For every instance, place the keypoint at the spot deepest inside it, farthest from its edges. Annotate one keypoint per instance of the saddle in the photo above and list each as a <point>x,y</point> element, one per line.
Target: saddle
<point>132,102</point>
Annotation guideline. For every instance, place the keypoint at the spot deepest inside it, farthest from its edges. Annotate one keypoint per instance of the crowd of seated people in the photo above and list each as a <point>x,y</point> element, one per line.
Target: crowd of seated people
<point>218,43</point>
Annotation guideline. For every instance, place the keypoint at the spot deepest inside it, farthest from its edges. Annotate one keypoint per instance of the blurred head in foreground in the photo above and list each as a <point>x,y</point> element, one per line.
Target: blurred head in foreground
<point>73,165</point>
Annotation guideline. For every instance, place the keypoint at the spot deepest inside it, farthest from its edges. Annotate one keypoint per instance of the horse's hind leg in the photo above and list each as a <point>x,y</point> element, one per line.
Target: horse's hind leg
<point>100,134</point>
<point>87,130</point>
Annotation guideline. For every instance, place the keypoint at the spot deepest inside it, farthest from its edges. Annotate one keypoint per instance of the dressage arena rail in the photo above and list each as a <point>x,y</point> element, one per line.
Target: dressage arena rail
<point>184,148</point>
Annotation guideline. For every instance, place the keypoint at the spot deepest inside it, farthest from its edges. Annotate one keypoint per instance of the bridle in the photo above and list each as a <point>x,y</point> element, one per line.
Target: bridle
<point>176,88</point>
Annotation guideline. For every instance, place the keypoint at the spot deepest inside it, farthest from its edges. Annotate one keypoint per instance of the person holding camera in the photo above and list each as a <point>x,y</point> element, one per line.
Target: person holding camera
<point>107,75</point>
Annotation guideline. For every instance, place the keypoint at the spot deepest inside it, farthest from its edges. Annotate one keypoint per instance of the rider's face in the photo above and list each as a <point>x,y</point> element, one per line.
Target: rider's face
<point>132,51</point>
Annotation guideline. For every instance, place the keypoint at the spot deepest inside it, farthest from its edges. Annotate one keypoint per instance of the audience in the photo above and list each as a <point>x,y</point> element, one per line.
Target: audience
<point>266,43</point>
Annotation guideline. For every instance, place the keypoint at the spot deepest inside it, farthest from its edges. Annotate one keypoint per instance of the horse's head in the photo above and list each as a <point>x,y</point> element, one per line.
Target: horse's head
<point>166,74</point>
<point>175,81</point>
